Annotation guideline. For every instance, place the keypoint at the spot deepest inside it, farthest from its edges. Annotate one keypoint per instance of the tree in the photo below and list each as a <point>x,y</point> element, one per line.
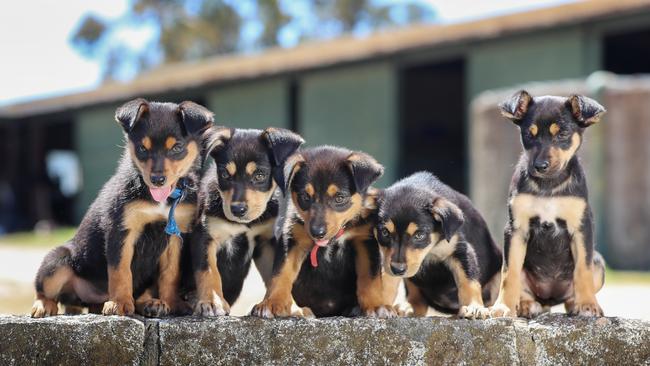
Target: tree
<point>187,30</point>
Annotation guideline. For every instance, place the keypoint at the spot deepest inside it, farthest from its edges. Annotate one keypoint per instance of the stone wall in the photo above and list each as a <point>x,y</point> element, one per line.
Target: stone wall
<point>96,340</point>
<point>615,155</point>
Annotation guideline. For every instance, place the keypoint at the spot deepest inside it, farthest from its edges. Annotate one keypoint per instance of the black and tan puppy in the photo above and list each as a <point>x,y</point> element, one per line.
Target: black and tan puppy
<point>328,214</point>
<point>239,205</point>
<point>121,248</point>
<point>433,237</point>
<point>549,245</point>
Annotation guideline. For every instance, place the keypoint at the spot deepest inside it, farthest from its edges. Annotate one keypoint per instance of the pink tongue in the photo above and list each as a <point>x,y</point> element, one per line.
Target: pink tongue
<point>322,243</point>
<point>160,194</point>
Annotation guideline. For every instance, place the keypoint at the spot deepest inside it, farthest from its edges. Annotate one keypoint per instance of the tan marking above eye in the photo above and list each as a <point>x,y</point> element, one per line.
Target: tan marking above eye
<point>533,130</point>
<point>231,168</point>
<point>146,142</point>
<point>390,226</point>
<point>332,190</point>
<point>170,142</point>
<point>554,129</point>
<point>251,167</point>
<point>309,188</point>
<point>412,228</point>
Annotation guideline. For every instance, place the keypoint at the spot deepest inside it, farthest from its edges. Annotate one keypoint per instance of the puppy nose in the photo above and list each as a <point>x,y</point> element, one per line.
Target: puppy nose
<point>547,225</point>
<point>238,209</point>
<point>317,231</point>
<point>542,166</point>
<point>158,180</point>
<point>398,268</point>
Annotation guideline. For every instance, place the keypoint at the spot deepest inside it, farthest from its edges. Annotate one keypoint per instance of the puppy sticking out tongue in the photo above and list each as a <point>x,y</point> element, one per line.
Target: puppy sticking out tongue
<point>313,256</point>
<point>160,194</point>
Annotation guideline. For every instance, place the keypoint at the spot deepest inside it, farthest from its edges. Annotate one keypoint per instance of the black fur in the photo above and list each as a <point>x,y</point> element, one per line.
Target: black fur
<point>268,150</point>
<point>98,240</point>
<point>425,201</point>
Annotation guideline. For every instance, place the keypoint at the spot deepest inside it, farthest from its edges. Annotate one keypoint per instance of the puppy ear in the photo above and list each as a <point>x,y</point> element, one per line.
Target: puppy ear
<point>217,138</point>
<point>515,107</point>
<point>195,118</point>
<point>291,167</point>
<point>448,215</point>
<point>365,170</point>
<point>281,143</point>
<point>586,111</point>
<point>131,112</point>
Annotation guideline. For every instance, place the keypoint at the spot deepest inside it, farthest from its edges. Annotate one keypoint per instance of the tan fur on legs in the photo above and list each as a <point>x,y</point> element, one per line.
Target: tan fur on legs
<point>528,306</point>
<point>44,307</point>
<point>169,278</point>
<point>510,291</point>
<point>584,302</point>
<point>370,290</point>
<point>209,287</point>
<point>470,299</point>
<point>415,298</point>
<point>598,280</point>
<point>278,301</point>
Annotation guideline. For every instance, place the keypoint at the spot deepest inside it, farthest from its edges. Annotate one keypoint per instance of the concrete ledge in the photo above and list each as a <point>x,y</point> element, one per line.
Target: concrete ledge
<point>550,340</point>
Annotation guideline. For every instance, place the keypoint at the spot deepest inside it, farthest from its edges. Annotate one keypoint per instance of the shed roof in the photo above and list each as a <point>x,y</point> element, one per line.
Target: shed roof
<point>221,69</point>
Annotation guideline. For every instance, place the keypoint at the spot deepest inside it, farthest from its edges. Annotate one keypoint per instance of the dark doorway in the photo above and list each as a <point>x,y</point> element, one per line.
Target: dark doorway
<point>432,121</point>
<point>627,53</point>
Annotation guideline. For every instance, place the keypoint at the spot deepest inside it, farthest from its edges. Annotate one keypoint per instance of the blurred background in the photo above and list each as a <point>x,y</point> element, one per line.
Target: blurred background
<point>413,82</point>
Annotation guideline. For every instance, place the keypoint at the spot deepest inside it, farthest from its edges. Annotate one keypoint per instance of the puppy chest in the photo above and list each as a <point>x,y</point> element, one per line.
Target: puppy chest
<point>550,212</point>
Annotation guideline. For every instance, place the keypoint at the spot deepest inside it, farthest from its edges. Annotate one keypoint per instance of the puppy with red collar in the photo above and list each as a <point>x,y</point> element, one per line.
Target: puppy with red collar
<point>327,261</point>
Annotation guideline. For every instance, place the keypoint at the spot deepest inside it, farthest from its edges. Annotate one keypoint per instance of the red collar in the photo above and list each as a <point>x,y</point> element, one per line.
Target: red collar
<point>314,251</point>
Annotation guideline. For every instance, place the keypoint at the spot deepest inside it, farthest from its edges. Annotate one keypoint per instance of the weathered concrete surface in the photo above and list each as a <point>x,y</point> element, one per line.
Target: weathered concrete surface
<point>550,340</point>
<point>71,340</point>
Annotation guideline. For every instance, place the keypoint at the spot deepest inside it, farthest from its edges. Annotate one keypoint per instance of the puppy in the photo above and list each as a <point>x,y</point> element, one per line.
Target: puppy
<point>549,245</point>
<point>125,245</point>
<point>239,205</point>
<point>433,237</point>
<point>326,258</point>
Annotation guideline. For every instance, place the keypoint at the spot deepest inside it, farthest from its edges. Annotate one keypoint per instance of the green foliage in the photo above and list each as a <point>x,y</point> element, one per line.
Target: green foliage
<point>187,30</point>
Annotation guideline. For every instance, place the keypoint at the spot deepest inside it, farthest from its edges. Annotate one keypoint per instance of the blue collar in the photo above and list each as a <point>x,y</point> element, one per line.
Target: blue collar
<point>177,195</point>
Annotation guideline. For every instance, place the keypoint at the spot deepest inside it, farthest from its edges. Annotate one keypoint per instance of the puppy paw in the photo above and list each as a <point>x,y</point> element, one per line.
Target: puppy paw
<point>404,309</point>
<point>119,307</point>
<point>44,307</point>
<point>271,308</point>
<point>590,308</point>
<point>473,311</point>
<point>530,309</point>
<point>155,308</point>
<point>302,312</point>
<point>381,311</point>
<point>501,310</point>
<point>216,307</point>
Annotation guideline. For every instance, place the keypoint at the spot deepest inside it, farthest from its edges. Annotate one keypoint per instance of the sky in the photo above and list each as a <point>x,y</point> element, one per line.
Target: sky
<point>38,60</point>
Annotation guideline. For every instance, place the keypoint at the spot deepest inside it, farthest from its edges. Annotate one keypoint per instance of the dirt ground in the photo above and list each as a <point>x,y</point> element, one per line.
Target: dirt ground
<point>18,267</point>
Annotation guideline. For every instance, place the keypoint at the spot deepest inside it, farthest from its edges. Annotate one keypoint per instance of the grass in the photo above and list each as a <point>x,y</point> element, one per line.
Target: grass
<point>61,235</point>
<point>626,277</point>
<point>42,240</point>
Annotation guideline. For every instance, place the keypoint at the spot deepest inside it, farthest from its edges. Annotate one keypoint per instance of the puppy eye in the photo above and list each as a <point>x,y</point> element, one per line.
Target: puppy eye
<point>259,177</point>
<point>384,232</point>
<point>141,149</point>
<point>419,236</point>
<point>339,199</point>
<point>177,148</point>
<point>224,174</point>
<point>303,196</point>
